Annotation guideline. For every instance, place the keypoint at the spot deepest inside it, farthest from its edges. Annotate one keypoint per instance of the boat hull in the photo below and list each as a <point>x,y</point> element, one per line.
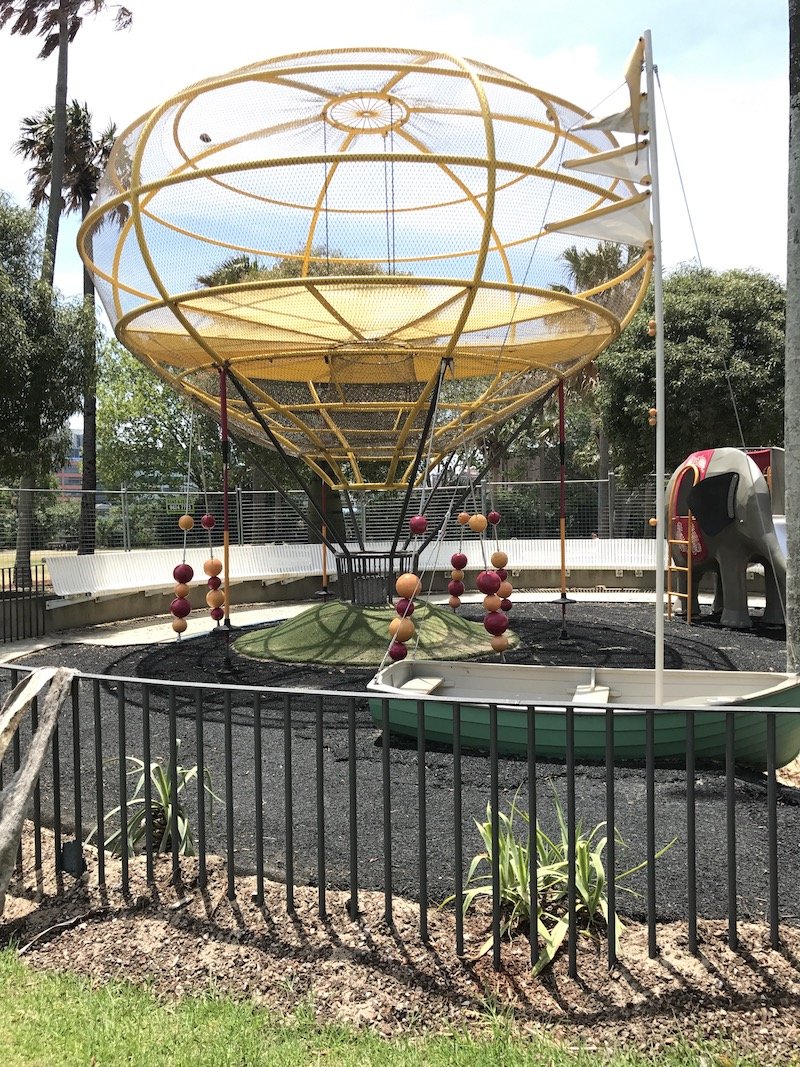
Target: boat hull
<point>549,725</point>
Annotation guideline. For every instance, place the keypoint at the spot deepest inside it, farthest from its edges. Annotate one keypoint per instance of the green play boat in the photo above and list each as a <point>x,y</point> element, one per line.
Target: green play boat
<point>689,699</point>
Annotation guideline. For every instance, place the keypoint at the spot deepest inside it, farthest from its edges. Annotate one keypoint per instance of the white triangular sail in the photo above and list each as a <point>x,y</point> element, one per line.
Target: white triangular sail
<point>622,121</point>
<point>627,222</point>
<point>631,163</point>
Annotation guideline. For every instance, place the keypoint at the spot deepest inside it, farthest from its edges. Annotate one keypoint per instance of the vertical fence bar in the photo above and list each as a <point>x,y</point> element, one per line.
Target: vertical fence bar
<point>16,752</point>
<point>229,819</point>
<point>572,934</point>
<point>147,759</point>
<point>730,826</point>
<point>37,796</point>
<point>611,846</point>
<point>772,834</point>
<point>287,801</point>
<point>172,775</point>
<point>352,804</point>
<point>123,782</point>
<point>386,789</point>
<point>258,776</point>
<point>650,805</point>
<point>458,844</point>
<point>200,751</point>
<point>56,757</point>
<point>322,876</point>
<point>77,799</point>
<point>533,838</point>
<point>423,822</point>
<point>99,788</point>
<point>691,835</point>
<point>494,804</point>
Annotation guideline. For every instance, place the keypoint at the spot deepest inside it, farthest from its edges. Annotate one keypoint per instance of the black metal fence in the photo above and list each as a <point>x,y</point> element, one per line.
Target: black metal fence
<point>307,789</point>
<point>22,603</point>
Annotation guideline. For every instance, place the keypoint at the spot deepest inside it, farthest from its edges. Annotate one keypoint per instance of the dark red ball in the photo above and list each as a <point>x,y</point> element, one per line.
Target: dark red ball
<point>506,605</point>
<point>418,524</point>
<point>488,582</point>
<point>458,560</point>
<point>493,518</point>
<point>214,582</point>
<point>455,588</point>
<point>180,607</point>
<point>217,614</point>
<point>208,522</point>
<point>404,607</point>
<point>397,650</point>
<point>183,574</point>
<point>502,573</point>
<point>496,623</point>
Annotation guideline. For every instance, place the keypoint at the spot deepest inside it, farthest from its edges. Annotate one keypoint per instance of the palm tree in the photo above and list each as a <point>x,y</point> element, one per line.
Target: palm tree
<point>85,157</point>
<point>56,22</point>
<point>587,269</point>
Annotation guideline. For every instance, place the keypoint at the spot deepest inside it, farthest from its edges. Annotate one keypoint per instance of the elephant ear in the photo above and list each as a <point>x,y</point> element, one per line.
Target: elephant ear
<point>712,502</point>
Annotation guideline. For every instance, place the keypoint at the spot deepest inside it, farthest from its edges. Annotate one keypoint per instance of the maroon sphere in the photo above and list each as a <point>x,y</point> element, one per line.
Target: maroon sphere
<point>455,588</point>
<point>458,560</point>
<point>506,605</point>
<point>501,573</point>
<point>418,524</point>
<point>496,623</point>
<point>217,614</point>
<point>208,522</point>
<point>404,607</point>
<point>183,574</point>
<point>214,582</point>
<point>488,582</point>
<point>397,650</point>
<point>180,607</point>
<point>493,518</point>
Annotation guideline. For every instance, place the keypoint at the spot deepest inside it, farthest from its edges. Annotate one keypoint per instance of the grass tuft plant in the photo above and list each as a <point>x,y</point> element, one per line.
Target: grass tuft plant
<point>161,810</point>
<point>551,922</point>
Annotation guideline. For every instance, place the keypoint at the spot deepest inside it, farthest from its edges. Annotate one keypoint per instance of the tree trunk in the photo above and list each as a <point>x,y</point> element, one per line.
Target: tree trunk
<point>87,527</point>
<point>792,392</point>
<point>22,562</point>
<point>55,205</point>
<point>603,523</point>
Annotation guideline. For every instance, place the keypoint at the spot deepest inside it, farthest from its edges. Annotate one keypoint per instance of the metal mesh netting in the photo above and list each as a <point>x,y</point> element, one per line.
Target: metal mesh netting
<point>334,225</point>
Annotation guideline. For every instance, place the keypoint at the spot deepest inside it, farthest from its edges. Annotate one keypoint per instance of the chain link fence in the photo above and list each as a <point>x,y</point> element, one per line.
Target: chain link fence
<point>129,520</point>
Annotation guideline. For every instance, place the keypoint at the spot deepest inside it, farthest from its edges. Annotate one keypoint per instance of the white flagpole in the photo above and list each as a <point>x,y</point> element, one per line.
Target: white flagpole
<point>660,404</point>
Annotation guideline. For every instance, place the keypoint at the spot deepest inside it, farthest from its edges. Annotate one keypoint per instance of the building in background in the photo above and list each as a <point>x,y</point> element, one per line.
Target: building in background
<point>69,477</point>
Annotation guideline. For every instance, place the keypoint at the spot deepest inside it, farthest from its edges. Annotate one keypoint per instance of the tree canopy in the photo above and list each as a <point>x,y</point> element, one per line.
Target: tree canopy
<point>42,351</point>
<point>723,342</point>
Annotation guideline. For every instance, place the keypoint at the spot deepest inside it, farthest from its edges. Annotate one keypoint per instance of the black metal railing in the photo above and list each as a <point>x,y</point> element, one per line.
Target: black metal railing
<point>22,603</point>
<point>314,793</point>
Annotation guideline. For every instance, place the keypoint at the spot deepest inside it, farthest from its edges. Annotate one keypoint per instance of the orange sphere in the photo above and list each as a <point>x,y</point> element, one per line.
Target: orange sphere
<point>454,601</point>
<point>456,575</point>
<point>478,523</point>
<point>492,602</point>
<point>401,629</point>
<point>179,625</point>
<point>408,585</point>
<point>215,598</point>
<point>505,590</point>
<point>186,522</point>
<point>499,559</point>
<point>213,567</point>
<point>499,644</point>
<point>181,590</point>
<point>463,518</point>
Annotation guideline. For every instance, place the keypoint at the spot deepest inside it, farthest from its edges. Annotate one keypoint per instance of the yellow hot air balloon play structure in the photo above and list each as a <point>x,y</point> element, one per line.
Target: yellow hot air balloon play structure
<point>365,246</point>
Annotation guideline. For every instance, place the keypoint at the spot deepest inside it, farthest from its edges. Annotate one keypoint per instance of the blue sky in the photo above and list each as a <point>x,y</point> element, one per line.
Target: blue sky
<point>723,68</point>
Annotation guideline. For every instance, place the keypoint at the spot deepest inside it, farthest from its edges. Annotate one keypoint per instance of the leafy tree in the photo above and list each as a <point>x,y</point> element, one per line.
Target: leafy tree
<point>723,340</point>
<point>85,160</point>
<point>322,262</point>
<point>42,350</point>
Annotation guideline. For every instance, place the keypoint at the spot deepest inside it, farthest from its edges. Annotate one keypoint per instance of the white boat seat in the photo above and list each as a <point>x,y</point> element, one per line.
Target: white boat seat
<point>591,694</point>
<point>423,684</point>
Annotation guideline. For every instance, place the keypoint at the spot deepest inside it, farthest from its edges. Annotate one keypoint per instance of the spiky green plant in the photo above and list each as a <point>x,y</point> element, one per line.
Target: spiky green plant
<point>551,923</point>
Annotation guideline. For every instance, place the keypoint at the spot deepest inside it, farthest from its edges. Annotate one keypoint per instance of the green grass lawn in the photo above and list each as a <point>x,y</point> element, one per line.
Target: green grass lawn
<point>51,1019</point>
